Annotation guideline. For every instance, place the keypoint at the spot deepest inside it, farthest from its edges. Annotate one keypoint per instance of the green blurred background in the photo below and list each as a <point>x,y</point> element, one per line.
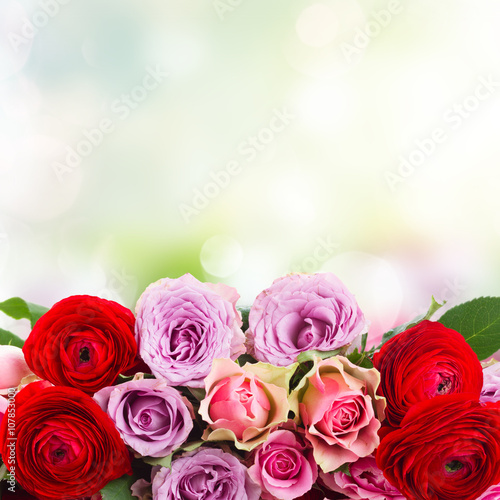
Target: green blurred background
<point>239,140</point>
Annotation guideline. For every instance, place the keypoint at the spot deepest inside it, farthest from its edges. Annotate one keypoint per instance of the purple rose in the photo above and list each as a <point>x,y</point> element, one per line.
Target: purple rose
<point>302,312</point>
<point>152,418</point>
<point>207,473</point>
<point>183,325</point>
<point>491,384</point>
<point>366,482</point>
<point>284,465</point>
<point>492,493</point>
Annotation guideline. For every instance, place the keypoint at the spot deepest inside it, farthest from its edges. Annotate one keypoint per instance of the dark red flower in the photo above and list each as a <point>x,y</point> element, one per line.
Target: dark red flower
<point>60,444</point>
<point>447,448</point>
<point>83,342</point>
<point>423,362</point>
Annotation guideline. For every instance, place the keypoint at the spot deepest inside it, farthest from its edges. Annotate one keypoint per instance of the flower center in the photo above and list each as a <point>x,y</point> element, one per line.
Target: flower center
<point>85,355</point>
<point>453,466</point>
<point>145,419</point>
<point>58,455</point>
<point>444,387</point>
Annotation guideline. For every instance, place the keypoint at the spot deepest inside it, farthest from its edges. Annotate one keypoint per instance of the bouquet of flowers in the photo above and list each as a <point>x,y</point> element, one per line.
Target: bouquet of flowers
<point>193,397</point>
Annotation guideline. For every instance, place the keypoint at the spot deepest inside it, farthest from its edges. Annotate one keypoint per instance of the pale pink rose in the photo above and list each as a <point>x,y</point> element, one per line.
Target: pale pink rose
<point>284,466</point>
<point>242,404</point>
<point>13,367</point>
<point>3,407</point>
<point>340,411</point>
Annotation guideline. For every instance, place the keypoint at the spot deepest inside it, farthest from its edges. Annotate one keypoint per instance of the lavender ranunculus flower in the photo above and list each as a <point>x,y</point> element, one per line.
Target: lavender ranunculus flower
<point>366,482</point>
<point>302,312</point>
<point>183,325</point>
<point>491,384</point>
<point>152,418</point>
<point>207,473</point>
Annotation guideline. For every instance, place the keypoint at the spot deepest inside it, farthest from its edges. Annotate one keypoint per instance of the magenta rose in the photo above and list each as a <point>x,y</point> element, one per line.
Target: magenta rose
<point>365,482</point>
<point>340,411</point>
<point>491,384</point>
<point>205,474</point>
<point>183,325</point>
<point>284,466</point>
<point>152,418</point>
<point>492,493</point>
<point>302,312</point>
<point>242,404</point>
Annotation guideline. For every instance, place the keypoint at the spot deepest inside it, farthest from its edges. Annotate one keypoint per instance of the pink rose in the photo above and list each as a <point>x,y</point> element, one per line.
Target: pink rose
<point>492,493</point>
<point>242,404</point>
<point>13,367</point>
<point>302,312</point>
<point>340,411</point>
<point>284,466</point>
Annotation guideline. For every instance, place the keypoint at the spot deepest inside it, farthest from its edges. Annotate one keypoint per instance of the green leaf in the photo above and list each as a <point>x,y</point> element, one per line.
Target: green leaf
<point>167,461</point>
<point>401,328</point>
<point>8,338</point>
<point>197,392</point>
<point>119,489</point>
<point>344,468</point>
<point>244,311</point>
<point>299,374</point>
<point>18,308</point>
<point>192,446</point>
<point>364,338</point>
<point>3,472</point>
<point>246,358</point>
<point>360,359</point>
<point>163,461</point>
<point>479,322</point>
<point>310,355</point>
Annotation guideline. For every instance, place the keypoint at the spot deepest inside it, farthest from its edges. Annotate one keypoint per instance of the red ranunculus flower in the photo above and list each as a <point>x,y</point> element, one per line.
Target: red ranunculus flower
<point>83,342</point>
<point>60,444</point>
<point>422,362</point>
<point>447,448</point>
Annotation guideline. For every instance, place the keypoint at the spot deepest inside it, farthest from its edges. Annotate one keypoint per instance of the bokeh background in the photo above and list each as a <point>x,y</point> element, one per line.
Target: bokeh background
<point>240,140</point>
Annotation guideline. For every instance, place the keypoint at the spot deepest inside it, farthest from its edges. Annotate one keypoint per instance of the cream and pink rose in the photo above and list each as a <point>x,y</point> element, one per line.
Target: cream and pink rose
<point>284,466</point>
<point>340,411</point>
<point>242,404</point>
